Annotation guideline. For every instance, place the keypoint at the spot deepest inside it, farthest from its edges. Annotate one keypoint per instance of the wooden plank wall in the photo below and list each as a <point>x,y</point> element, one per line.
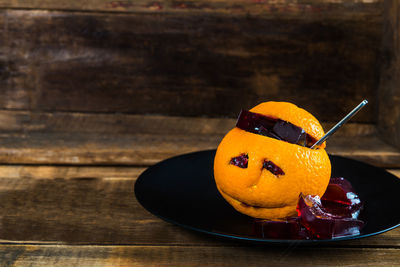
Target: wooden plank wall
<point>389,89</point>
<point>189,58</point>
<point>134,82</point>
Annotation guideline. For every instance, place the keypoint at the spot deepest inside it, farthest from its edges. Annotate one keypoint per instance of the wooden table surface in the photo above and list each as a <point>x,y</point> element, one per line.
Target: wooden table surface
<point>67,199</point>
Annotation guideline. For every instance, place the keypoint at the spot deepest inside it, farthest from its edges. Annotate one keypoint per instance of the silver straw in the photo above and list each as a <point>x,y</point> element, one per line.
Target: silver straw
<point>340,123</point>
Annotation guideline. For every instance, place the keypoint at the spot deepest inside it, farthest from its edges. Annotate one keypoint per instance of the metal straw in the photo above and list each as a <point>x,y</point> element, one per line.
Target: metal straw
<point>340,123</point>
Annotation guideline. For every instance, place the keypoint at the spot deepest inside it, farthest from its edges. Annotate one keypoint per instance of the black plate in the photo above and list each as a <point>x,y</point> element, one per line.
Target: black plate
<point>181,190</point>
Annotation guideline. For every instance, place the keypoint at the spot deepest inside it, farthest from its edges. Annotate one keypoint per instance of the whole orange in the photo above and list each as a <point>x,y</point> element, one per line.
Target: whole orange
<point>258,192</point>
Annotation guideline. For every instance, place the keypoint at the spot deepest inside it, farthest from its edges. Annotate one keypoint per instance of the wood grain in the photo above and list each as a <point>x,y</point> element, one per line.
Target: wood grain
<point>389,93</point>
<point>102,123</point>
<point>338,8</point>
<point>14,93</point>
<point>188,64</point>
<point>98,149</point>
<point>70,172</point>
<point>146,149</point>
<point>84,209</point>
<point>82,172</point>
<point>194,256</point>
<point>124,139</point>
<point>87,123</point>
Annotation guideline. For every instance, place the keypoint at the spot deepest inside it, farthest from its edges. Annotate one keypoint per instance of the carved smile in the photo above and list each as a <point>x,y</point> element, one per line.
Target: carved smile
<point>247,205</point>
<point>257,211</point>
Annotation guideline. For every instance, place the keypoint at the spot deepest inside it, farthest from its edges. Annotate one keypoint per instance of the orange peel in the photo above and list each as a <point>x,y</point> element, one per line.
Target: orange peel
<point>256,191</point>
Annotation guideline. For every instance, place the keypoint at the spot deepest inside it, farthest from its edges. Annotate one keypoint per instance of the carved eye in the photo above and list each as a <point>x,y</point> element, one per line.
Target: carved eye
<point>273,168</point>
<point>241,161</point>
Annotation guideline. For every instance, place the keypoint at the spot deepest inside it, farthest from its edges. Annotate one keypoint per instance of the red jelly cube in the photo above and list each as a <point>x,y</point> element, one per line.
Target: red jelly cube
<point>289,228</point>
<point>274,128</point>
<point>322,224</point>
<point>340,199</point>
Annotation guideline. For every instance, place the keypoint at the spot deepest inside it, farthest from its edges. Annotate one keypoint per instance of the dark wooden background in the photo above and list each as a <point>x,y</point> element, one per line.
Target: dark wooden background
<point>94,92</point>
<point>190,58</point>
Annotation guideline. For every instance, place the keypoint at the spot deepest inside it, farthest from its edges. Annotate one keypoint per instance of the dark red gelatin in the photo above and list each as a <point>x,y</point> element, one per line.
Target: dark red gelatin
<point>322,224</point>
<point>334,215</point>
<point>340,199</point>
<point>289,228</point>
<point>290,133</point>
<point>272,167</point>
<point>240,161</point>
<point>274,128</point>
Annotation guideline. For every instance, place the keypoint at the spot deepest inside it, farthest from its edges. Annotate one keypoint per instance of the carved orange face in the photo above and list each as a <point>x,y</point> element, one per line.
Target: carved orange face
<point>261,176</point>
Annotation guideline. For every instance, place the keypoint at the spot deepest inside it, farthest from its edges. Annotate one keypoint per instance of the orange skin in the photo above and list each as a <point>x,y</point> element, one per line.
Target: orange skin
<point>257,192</point>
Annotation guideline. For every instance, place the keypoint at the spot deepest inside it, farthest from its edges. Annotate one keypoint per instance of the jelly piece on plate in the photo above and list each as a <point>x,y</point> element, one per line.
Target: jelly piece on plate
<point>273,168</point>
<point>274,128</point>
<point>241,161</point>
<point>322,224</point>
<point>289,228</point>
<point>340,199</point>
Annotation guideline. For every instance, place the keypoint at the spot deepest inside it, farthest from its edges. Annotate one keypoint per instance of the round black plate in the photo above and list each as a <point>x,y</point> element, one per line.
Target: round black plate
<point>181,190</point>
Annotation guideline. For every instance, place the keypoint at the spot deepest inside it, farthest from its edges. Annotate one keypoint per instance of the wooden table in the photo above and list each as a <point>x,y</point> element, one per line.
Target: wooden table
<point>72,202</point>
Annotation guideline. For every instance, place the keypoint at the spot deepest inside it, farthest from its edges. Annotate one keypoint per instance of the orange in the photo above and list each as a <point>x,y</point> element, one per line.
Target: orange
<point>256,191</point>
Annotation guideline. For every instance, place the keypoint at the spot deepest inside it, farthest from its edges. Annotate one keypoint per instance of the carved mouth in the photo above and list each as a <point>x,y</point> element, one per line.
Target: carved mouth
<point>247,205</point>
